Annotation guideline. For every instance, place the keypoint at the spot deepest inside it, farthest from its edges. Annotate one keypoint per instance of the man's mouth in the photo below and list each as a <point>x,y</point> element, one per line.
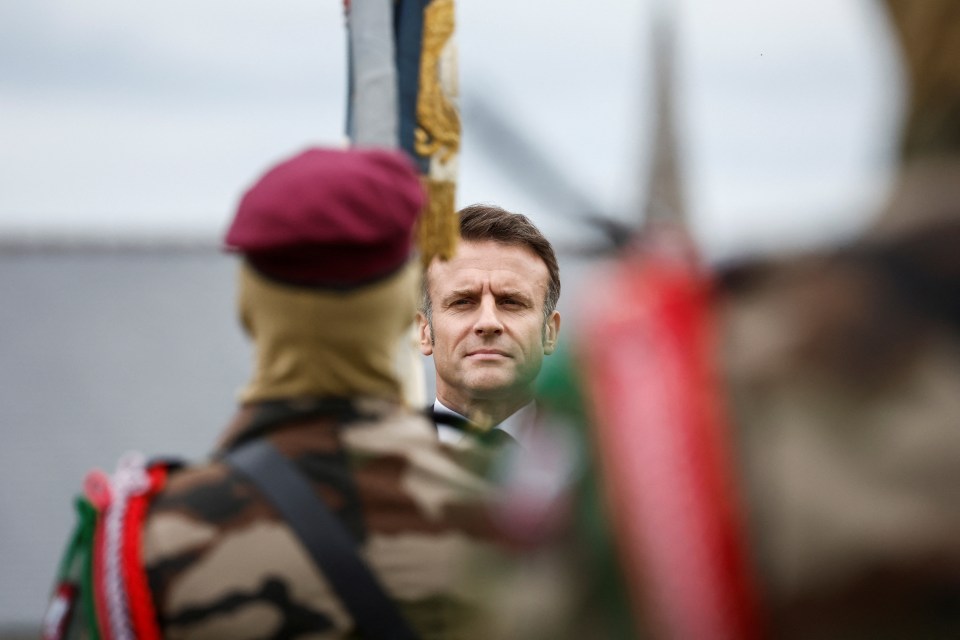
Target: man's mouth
<point>487,353</point>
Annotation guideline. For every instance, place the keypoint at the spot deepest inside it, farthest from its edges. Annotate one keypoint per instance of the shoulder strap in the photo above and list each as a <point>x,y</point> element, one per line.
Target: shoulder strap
<point>324,537</point>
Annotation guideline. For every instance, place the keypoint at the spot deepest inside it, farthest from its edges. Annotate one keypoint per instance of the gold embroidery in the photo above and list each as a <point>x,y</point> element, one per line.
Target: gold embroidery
<point>438,123</point>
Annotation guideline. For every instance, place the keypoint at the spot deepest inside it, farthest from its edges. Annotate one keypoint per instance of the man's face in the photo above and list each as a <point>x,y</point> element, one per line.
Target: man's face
<point>488,335</point>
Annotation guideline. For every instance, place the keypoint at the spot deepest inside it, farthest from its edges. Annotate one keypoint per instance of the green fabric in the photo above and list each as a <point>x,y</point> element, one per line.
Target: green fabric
<point>76,567</point>
<point>560,392</point>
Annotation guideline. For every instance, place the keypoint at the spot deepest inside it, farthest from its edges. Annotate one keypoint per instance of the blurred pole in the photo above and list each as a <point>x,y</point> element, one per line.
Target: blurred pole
<point>401,80</point>
<point>664,199</point>
<point>372,118</point>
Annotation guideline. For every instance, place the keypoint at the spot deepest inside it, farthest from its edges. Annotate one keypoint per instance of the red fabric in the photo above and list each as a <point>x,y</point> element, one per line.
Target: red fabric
<point>329,215</point>
<point>59,612</point>
<point>143,616</point>
<point>648,353</point>
<point>96,487</point>
<point>99,592</point>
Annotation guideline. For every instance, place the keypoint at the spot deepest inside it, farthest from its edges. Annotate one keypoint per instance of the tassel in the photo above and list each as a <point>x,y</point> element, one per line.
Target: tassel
<point>438,229</point>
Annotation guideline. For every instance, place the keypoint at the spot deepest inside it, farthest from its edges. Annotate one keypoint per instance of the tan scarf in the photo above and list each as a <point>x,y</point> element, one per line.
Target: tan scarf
<point>317,342</point>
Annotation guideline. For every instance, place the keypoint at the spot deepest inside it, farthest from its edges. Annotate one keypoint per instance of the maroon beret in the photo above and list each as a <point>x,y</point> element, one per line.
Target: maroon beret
<point>330,217</point>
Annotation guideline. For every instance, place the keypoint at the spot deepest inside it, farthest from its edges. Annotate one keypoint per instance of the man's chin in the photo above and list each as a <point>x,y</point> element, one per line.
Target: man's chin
<point>498,389</point>
<point>488,385</point>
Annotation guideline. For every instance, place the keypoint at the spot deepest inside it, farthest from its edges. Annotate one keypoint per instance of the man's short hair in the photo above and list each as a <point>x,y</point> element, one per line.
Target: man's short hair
<point>484,222</point>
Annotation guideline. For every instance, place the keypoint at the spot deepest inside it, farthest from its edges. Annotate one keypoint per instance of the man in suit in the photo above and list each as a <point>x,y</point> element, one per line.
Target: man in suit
<point>488,317</point>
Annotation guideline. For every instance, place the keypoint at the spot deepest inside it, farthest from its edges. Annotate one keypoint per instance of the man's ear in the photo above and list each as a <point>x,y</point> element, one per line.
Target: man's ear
<point>551,332</point>
<point>426,338</point>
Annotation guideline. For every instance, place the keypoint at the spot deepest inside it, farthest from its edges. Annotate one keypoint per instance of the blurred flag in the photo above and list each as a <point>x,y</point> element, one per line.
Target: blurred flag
<point>402,92</point>
<point>648,354</point>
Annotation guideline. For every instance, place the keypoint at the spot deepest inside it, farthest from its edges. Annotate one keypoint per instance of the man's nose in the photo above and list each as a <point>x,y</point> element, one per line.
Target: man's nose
<point>488,322</point>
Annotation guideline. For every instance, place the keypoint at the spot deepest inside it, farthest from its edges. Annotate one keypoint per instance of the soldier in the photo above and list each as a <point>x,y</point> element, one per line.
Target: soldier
<point>842,377</point>
<point>328,509</point>
<point>845,373</point>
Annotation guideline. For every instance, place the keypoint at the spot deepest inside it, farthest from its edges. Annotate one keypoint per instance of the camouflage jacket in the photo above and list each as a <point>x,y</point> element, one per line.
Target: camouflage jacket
<point>222,563</point>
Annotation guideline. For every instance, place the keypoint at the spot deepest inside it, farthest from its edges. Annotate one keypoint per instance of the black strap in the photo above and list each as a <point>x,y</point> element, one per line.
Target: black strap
<point>324,537</point>
<point>271,413</point>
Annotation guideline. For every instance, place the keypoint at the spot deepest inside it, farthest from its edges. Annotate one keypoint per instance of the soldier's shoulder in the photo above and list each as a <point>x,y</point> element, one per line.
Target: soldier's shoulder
<point>405,440</point>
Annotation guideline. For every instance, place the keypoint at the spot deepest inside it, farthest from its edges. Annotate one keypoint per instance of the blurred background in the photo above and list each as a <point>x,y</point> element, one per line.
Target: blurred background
<point>128,131</point>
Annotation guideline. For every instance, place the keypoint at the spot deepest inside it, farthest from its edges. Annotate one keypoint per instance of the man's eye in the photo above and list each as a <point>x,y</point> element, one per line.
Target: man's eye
<point>461,302</point>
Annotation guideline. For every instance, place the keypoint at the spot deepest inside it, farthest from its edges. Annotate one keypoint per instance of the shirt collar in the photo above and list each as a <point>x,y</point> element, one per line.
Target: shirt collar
<point>517,424</point>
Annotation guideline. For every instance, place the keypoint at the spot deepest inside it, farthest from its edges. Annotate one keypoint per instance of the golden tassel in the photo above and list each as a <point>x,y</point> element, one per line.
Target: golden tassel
<point>439,228</point>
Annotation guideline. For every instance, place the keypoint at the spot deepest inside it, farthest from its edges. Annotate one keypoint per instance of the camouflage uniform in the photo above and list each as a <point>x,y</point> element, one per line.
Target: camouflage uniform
<point>223,564</point>
<point>846,394</point>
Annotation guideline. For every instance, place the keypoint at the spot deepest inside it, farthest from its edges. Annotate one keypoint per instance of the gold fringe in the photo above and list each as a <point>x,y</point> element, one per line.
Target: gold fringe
<point>439,228</point>
<point>438,123</point>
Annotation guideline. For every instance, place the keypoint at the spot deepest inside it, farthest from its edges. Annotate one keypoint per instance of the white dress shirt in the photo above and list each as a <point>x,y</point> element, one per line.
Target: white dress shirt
<point>517,425</point>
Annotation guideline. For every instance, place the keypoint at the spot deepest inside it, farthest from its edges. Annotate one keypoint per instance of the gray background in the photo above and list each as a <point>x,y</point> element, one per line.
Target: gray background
<point>101,351</point>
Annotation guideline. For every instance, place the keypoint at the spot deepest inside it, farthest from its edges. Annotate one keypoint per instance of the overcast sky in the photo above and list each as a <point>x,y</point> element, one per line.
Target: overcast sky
<point>145,119</point>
